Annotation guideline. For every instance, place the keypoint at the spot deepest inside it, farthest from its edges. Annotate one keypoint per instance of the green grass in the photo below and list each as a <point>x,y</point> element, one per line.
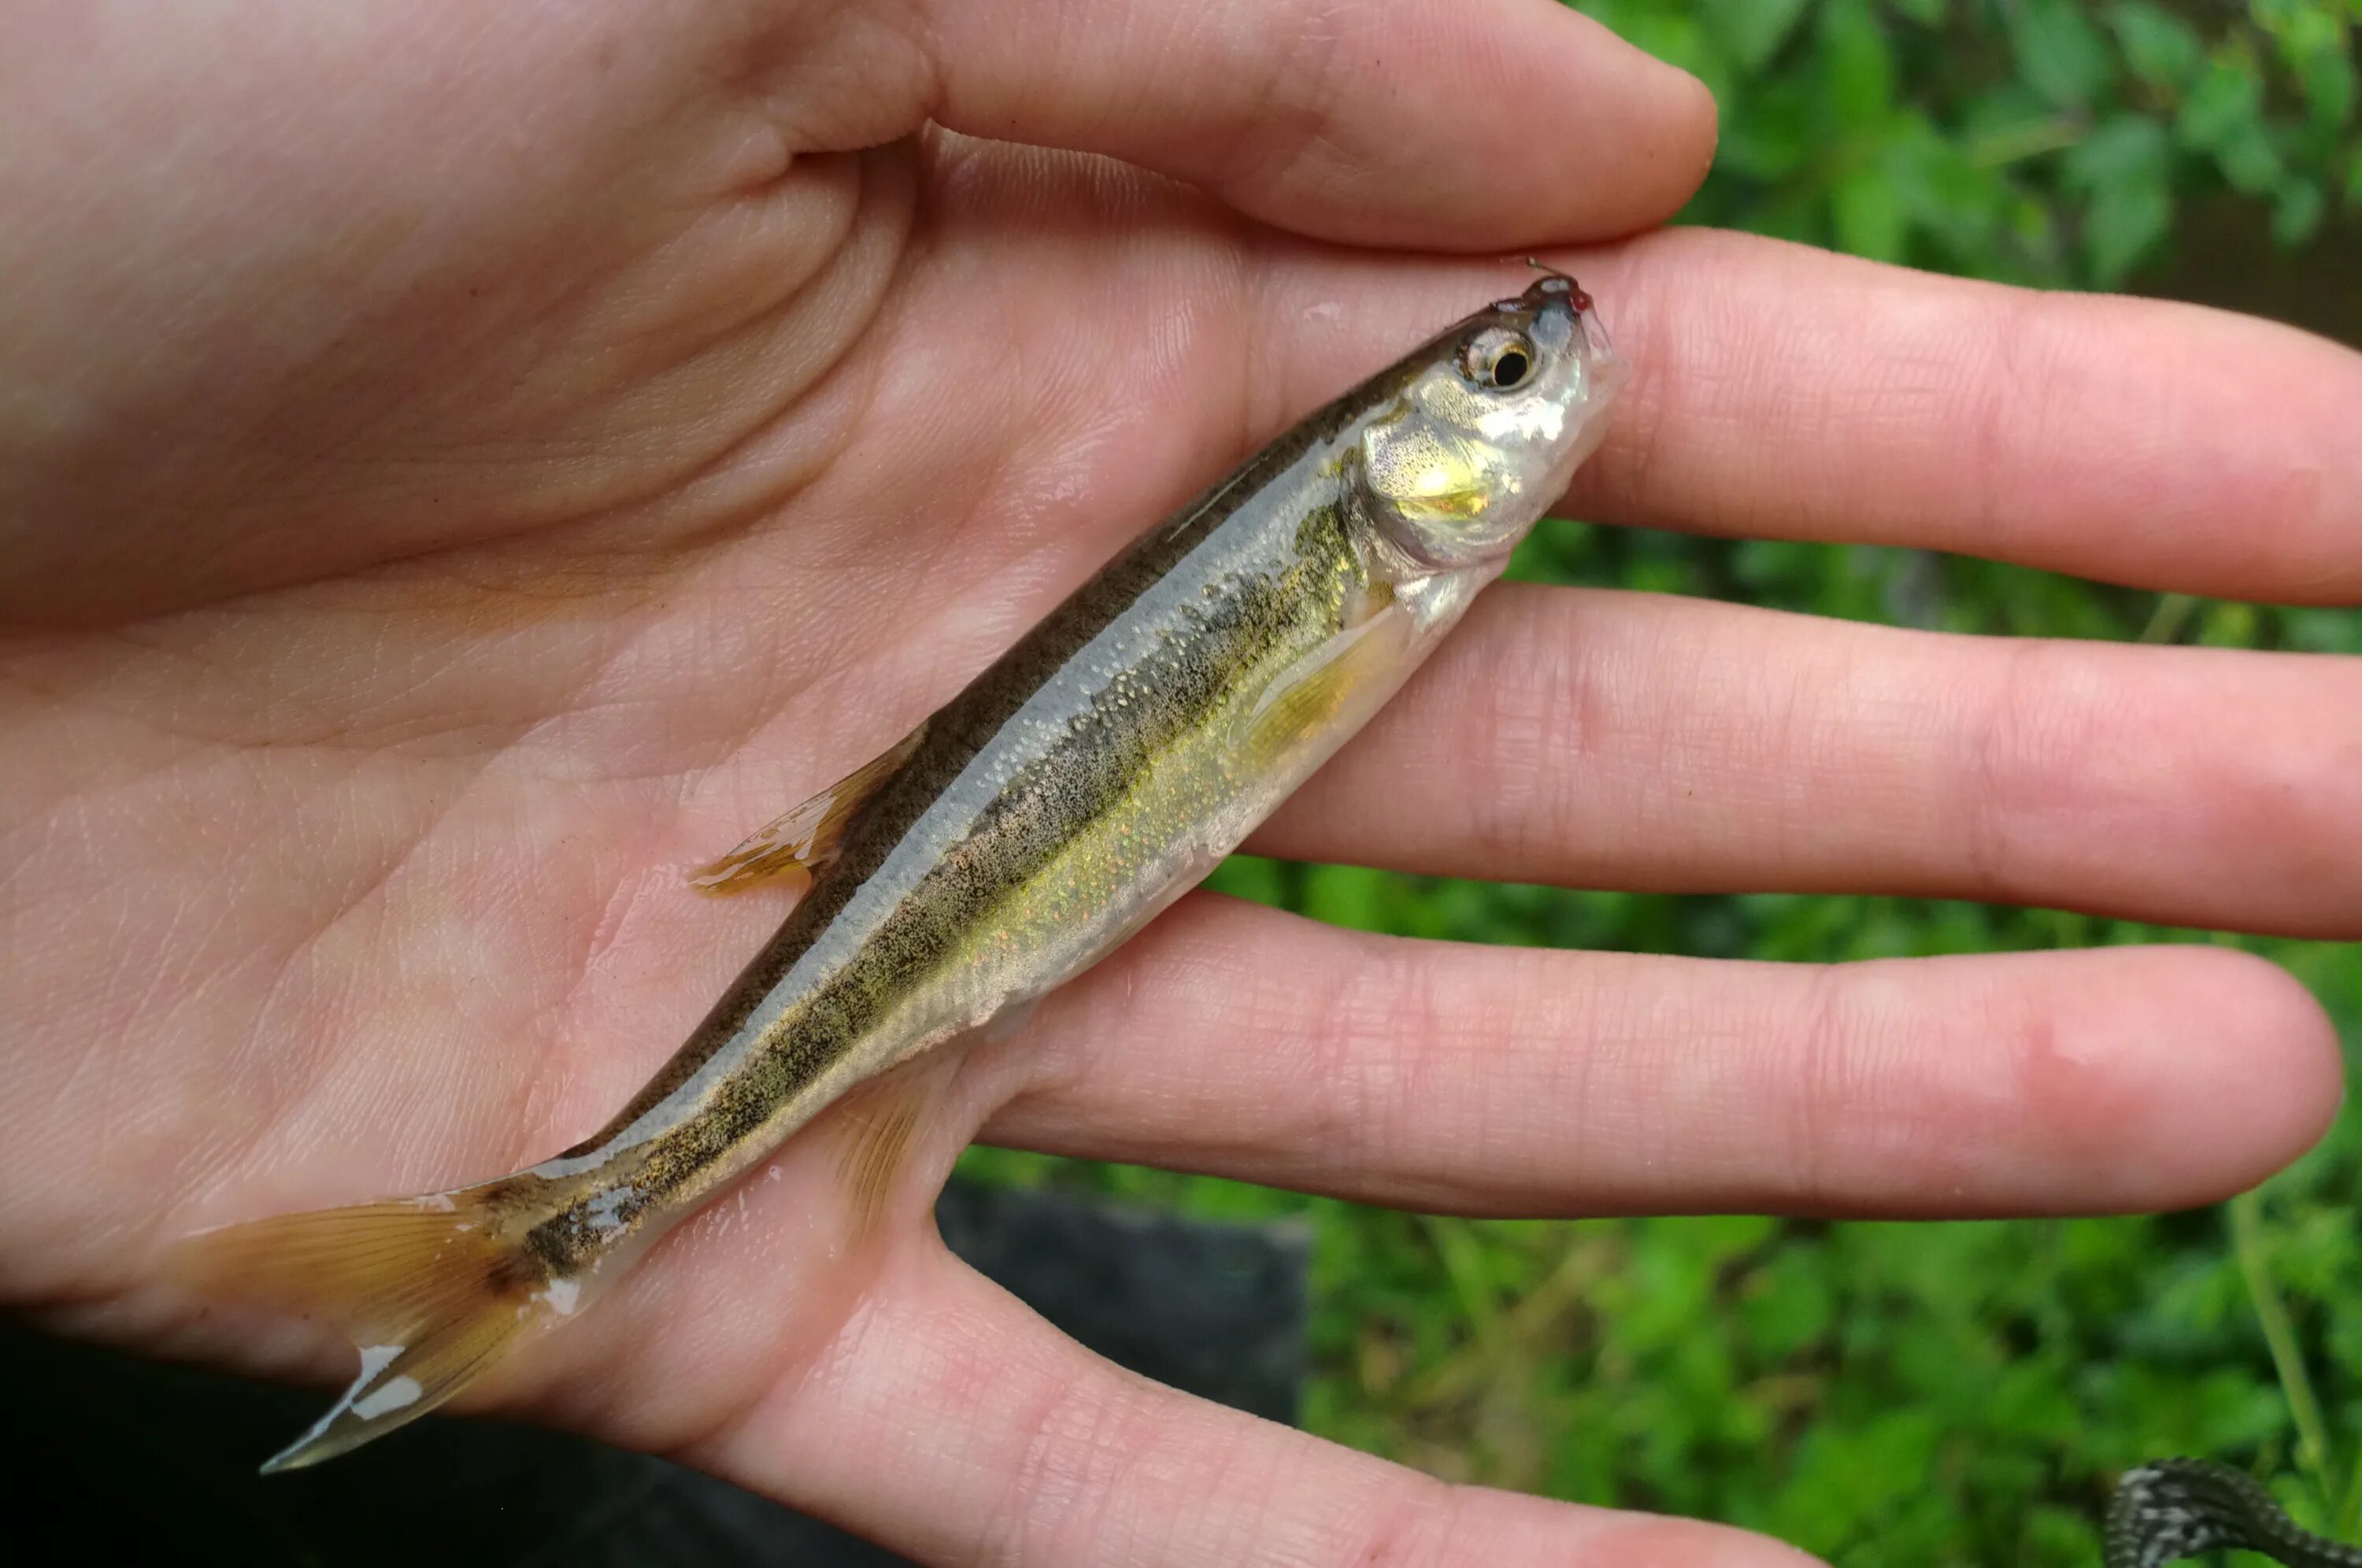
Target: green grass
<point>1906,1394</point>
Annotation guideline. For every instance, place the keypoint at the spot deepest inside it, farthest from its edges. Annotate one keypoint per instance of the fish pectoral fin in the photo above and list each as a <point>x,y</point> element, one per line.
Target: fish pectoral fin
<point>1312,693</point>
<point>808,837</point>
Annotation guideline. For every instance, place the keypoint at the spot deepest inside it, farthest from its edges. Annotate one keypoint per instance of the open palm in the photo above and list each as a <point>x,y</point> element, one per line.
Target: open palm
<point>455,473</point>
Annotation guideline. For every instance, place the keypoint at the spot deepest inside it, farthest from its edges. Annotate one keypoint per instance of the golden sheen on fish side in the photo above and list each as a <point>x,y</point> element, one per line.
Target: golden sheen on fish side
<point>1089,777</point>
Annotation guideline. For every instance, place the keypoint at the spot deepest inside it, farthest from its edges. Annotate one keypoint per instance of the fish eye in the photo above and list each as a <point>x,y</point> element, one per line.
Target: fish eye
<point>1501,361</point>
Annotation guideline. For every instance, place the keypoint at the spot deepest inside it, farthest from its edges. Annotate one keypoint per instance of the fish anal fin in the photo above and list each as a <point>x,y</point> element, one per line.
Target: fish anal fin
<point>792,846</point>
<point>881,1121</point>
<point>430,1290</point>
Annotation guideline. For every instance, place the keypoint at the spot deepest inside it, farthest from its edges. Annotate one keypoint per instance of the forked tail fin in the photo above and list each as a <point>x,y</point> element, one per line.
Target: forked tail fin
<point>432,1290</point>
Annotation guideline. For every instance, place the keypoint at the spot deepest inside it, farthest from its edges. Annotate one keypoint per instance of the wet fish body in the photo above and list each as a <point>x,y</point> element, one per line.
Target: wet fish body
<point>1072,792</point>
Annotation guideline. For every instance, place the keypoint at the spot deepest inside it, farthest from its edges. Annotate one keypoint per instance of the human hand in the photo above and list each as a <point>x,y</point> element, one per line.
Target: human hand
<point>455,474</point>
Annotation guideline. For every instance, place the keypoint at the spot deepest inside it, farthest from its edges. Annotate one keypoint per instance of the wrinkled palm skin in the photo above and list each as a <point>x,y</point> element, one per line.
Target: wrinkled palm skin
<point>460,466</point>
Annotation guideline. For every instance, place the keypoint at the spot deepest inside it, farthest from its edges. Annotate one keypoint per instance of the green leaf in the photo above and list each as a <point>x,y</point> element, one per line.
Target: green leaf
<point>1868,211</point>
<point>2330,88</point>
<point>2060,53</point>
<point>1791,1301</point>
<point>1778,139</point>
<point>2227,103</point>
<point>2314,41</point>
<point>1857,66</point>
<point>2160,47</point>
<point>2224,115</point>
<point>1249,877</point>
<point>2122,225</point>
<point>1753,30</point>
<point>1351,896</point>
<point>2297,213</point>
<point>2126,146</point>
<point>1944,192</point>
<point>2226,624</point>
<point>2125,165</point>
<point>2251,161</point>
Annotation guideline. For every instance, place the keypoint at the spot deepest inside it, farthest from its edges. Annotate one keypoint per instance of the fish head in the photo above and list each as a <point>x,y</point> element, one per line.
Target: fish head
<point>1487,425</point>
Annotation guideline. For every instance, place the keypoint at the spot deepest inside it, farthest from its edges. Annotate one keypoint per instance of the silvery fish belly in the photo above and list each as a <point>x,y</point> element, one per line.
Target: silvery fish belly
<point>1048,812</point>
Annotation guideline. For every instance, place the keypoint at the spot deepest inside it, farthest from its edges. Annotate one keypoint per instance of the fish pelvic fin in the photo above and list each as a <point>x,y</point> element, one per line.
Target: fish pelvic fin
<point>793,847</point>
<point>431,1289</point>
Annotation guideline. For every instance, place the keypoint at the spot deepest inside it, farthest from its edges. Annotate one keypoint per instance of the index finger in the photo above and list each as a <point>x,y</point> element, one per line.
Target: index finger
<point>1781,391</point>
<point>1450,125</point>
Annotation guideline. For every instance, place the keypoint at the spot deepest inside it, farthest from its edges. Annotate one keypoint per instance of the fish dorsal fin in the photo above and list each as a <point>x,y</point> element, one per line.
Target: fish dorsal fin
<point>809,836</point>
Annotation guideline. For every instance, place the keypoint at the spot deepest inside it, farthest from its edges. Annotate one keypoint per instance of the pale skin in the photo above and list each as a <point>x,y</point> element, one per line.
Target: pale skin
<point>455,474</point>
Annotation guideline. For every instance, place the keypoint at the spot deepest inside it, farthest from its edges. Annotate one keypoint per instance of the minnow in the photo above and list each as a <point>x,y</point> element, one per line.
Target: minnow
<point>1026,829</point>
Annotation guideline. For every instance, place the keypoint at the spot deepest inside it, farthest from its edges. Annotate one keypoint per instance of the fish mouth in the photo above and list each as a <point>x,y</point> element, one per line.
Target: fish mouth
<point>1554,287</point>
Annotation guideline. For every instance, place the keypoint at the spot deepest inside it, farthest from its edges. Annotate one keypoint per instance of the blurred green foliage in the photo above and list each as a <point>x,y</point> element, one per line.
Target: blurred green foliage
<point>1886,1394</point>
<point>2036,141</point>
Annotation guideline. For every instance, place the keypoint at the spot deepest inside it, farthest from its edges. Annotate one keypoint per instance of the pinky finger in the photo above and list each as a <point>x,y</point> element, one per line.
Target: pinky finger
<point>953,1425</point>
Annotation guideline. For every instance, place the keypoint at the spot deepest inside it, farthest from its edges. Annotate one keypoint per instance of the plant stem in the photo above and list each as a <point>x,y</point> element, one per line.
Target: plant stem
<point>2020,142</point>
<point>2246,1213</point>
<point>2172,613</point>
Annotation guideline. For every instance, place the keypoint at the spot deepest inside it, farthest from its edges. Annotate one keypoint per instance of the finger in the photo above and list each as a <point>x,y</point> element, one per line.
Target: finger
<point>1784,392</point>
<point>1441,123</point>
<point>1633,741</point>
<point>1519,1081</point>
<point>957,1427</point>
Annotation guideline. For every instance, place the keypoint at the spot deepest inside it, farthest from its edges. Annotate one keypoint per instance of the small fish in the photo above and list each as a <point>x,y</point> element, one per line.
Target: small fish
<point>1076,789</point>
